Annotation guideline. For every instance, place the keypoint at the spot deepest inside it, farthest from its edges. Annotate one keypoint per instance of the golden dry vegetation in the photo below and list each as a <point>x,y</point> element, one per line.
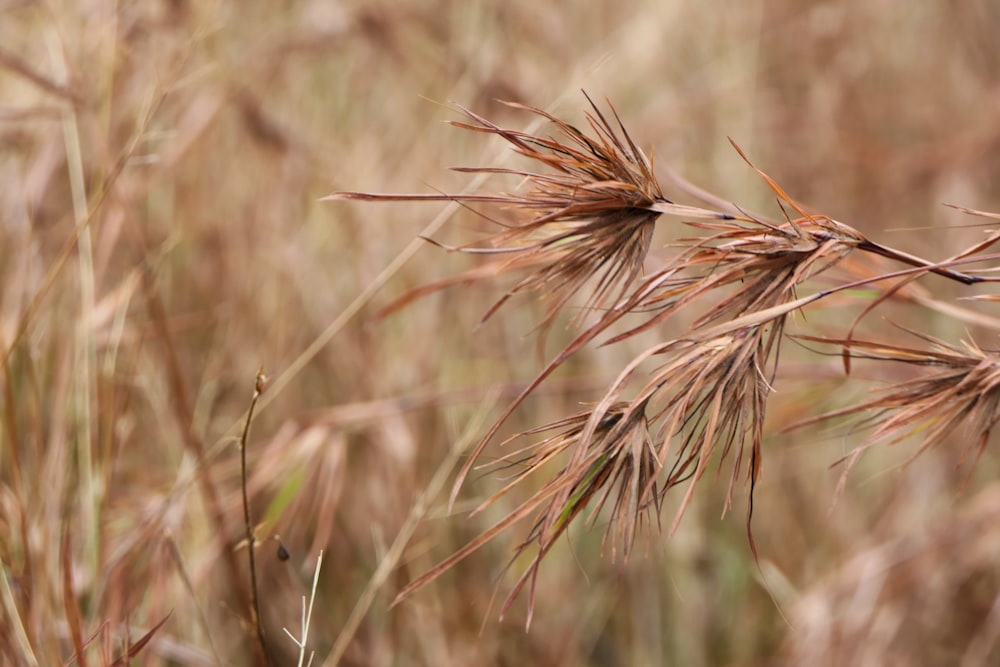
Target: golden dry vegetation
<point>163,234</point>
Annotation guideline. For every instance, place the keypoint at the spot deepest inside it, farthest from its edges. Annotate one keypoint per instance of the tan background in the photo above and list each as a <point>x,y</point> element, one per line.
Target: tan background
<point>161,235</point>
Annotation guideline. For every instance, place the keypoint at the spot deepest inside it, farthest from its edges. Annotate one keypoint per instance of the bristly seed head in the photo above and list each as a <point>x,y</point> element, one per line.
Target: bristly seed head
<point>584,222</point>
<point>587,219</point>
<point>960,396</point>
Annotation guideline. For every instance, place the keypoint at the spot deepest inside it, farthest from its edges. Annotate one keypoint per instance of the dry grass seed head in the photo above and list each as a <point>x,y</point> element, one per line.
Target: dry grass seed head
<point>962,395</point>
<point>709,399</point>
<point>761,263</point>
<point>616,466</point>
<point>589,217</point>
<point>590,220</point>
<point>711,395</point>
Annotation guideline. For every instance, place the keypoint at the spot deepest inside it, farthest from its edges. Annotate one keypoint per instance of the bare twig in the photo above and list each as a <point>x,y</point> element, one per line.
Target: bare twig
<point>258,389</point>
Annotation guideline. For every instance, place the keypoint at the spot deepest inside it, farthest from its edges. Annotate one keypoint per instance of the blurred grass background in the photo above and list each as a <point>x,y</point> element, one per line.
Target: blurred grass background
<point>160,170</point>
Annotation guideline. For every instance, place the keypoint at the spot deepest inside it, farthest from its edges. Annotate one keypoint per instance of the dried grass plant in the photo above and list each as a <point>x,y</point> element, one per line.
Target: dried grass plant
<point>583,223</point>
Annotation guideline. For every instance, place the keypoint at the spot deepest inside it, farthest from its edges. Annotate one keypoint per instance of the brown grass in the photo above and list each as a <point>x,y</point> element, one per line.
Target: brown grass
<point>601,205</point>
<point>161,237</point>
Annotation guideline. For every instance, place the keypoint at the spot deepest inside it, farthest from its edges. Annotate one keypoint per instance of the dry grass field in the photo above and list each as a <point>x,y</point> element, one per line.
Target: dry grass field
<point>165,231</point>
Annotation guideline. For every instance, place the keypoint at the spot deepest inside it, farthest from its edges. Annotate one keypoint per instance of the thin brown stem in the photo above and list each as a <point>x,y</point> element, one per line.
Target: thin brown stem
<point>258,389</point>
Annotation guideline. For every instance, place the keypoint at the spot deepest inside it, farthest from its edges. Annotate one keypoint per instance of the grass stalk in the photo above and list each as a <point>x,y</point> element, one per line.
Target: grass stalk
<point>251,540</point>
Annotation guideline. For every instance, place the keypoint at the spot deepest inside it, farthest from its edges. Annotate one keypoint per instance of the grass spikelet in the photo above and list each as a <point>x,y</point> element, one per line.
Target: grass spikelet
<point>613,464</point>
<point>708,401</point>
<point>959,396</point>
<point>759,263</point>
<point>587,219</point>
